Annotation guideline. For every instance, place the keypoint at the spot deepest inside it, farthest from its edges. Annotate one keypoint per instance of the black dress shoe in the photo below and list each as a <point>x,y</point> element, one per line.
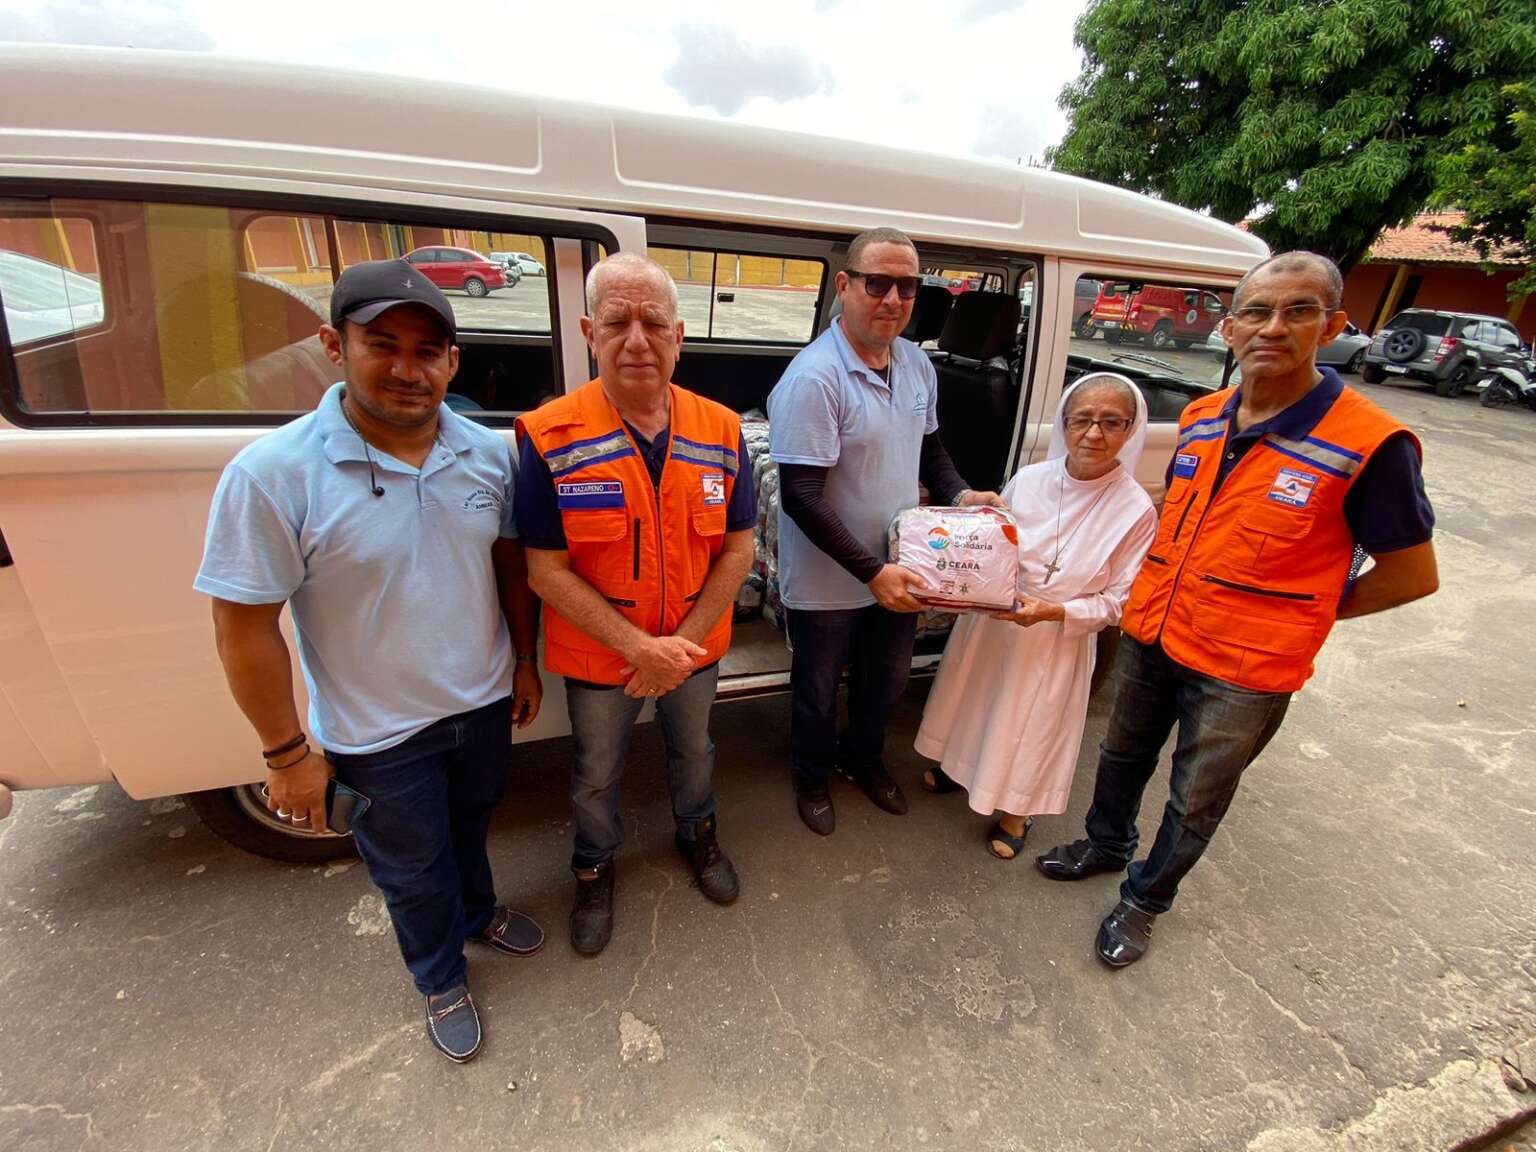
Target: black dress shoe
<point>712,868</point>
<point>1076,861</point>
<point>877,784</point>
<point>592,917</point>
<point>814,804</point>
<point>1124,936</point>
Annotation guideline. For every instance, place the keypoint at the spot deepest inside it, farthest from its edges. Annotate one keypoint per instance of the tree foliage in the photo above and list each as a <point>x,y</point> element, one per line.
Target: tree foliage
<point>1326,120</point>
<point>1494,182</point>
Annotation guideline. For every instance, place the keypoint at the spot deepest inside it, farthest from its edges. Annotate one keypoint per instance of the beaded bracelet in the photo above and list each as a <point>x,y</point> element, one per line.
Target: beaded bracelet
<point>287,746</point>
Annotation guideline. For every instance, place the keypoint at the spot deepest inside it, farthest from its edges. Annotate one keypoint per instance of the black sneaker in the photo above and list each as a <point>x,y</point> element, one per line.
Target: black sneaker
<point>814,804</point>
<point>711,867</point>
<point>592,917</point>
<point>879,787</point>
<point>453,1025</point>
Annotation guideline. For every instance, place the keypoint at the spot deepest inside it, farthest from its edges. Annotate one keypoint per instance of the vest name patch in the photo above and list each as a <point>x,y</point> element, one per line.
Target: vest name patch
<point>582,494</point>
<point>1293,487</point>
<point>714,487</point>
<point>1184,464</point>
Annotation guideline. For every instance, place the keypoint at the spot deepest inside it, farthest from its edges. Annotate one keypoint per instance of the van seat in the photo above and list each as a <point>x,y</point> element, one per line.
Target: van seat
<point>930,312</point>
<point>978,396</point>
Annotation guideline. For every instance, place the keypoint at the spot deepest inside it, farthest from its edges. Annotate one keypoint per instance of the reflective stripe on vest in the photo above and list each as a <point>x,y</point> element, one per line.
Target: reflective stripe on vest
<point>1245,586</point>
<point>646,550</point>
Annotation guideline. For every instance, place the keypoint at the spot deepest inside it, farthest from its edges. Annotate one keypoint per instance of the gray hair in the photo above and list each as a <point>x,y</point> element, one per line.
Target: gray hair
<point>1323,267</point>
<point>875,236</point>
<point>1105,383</point>
<point>632,262</point>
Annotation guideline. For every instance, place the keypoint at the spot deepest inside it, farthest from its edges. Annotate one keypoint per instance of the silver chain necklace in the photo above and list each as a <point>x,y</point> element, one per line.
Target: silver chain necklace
<point>1061,491</point>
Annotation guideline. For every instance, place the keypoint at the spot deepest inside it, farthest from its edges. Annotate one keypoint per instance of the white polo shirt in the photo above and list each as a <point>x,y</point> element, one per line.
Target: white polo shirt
<point>393,597</point>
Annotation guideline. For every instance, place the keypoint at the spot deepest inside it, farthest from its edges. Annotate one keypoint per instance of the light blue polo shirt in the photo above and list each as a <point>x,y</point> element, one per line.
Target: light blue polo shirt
<point>394,597</point>
<point>832,410</point>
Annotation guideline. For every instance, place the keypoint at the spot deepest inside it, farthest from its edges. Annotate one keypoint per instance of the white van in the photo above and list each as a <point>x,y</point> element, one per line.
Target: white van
<point>178,220</point>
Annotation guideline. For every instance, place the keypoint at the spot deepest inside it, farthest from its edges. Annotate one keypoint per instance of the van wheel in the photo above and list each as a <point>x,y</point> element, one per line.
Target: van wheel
<point>1162,335</point>
<point>1353,367</point>
<point>1372,373</point>
<point>475,286</point>
<point>239,816</point>
<point>1082,327</point>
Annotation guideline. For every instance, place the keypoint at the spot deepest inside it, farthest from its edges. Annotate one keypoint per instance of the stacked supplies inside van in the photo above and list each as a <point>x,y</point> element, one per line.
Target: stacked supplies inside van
<point>759,592</point>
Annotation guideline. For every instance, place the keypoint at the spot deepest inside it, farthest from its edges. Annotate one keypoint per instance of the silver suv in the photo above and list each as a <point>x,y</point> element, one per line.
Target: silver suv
<point>1445,349</point>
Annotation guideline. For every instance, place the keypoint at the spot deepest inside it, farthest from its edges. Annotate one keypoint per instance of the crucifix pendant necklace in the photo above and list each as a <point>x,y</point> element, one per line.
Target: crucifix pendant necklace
<point>1053,567</point>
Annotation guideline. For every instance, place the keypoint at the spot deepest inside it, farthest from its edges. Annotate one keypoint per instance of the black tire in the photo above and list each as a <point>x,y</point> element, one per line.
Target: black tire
<point>239,816</point>
<point>1082,327</point>
<point>1372,373</point>
<point>1454,383</point>
<point>1161,336</point>
<point>1352,366</point>
<point>1499,394</point>
<point>1403,345</point>
<point>474,286</point>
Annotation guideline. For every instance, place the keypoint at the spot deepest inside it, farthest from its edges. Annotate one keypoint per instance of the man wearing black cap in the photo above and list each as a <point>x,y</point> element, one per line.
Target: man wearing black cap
<point>384,520</point>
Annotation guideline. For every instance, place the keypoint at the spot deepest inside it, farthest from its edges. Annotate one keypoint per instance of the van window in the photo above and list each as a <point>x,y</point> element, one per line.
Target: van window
<point>1164,337</point>
<point>197,309</point>
<point>743,297</point>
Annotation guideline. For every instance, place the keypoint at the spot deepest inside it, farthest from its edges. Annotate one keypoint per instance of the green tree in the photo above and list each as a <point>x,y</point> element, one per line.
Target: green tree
<point>1494,182</point>
<point>1325,120</point>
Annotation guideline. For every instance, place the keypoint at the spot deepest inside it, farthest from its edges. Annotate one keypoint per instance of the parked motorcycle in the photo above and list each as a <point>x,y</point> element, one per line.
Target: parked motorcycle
<point>1509,385</point>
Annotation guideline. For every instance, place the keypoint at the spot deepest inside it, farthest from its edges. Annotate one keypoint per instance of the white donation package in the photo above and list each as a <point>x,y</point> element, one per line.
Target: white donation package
<point>968,557</point>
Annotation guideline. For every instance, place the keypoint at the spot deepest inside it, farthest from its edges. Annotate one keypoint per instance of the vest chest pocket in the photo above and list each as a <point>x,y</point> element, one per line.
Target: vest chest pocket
<point>595,525</point>
<point>709,521</point>
<point>1275,519</point>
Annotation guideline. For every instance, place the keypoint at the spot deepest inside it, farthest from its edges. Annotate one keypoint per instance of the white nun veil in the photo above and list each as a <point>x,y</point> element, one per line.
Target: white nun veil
<point>1130,452</point>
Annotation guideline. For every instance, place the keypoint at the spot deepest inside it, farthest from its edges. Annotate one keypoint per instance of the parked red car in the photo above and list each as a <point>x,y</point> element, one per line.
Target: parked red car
<point>462,268</point>
<point>1159,314</point>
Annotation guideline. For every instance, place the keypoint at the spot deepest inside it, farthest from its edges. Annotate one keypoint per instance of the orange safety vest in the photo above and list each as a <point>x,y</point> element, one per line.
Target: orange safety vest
<point>647,551</point>
<point>1245,586</point>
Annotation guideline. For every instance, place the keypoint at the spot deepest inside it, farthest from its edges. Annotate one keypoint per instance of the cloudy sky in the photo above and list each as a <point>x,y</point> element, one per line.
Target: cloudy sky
<point>970,77</point>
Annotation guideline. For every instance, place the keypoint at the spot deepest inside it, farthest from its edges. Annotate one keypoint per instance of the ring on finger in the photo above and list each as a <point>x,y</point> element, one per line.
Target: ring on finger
<point>281,815</point>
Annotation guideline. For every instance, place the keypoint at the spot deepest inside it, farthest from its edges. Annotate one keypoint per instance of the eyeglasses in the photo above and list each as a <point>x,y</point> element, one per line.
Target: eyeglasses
<point>1258,315</point>
<point>1109,425</point>
<point>877,284</point>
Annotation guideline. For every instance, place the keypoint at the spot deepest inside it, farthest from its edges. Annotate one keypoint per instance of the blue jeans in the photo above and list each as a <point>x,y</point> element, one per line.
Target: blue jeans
<point>602,721</point>
<point>423,838</point>
<point>876,644</point>
<point>1222,729</point>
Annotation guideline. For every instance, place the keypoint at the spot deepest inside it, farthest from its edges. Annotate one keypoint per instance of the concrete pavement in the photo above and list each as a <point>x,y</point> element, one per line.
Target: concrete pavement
<point>1353,965</point>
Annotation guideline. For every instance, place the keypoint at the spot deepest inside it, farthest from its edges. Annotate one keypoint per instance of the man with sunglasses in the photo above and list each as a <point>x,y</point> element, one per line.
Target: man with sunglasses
<point>1278,491</point>
<point>854,429</point>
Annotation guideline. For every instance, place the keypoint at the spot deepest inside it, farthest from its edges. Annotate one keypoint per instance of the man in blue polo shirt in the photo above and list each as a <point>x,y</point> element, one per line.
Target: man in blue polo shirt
<point>854,427</point>
<point>384,521</point>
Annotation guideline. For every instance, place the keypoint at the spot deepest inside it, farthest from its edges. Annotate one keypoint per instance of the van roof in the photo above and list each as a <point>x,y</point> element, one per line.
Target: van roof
<point>191,118</point>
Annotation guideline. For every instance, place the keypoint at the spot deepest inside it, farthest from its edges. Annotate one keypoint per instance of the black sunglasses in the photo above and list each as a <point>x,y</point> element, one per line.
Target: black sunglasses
<point>877,284</point>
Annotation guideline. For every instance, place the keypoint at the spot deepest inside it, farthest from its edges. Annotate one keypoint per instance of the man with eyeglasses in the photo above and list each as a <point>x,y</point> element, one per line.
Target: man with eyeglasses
<point>1278,492</point>
<point>853,426</point>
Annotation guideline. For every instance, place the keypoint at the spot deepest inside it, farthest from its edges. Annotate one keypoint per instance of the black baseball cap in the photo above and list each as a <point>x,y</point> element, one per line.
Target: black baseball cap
<point>365,291</point>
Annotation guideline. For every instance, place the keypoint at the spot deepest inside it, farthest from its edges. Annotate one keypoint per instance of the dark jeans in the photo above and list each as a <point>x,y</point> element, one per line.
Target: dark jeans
<point>877,646</point>
<point>602,720</point>
<point>423,839</point>
<point>1222,729</point>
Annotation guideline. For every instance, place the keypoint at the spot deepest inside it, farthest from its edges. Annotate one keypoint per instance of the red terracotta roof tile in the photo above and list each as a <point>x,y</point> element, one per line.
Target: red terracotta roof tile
<point>1421,243</point>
